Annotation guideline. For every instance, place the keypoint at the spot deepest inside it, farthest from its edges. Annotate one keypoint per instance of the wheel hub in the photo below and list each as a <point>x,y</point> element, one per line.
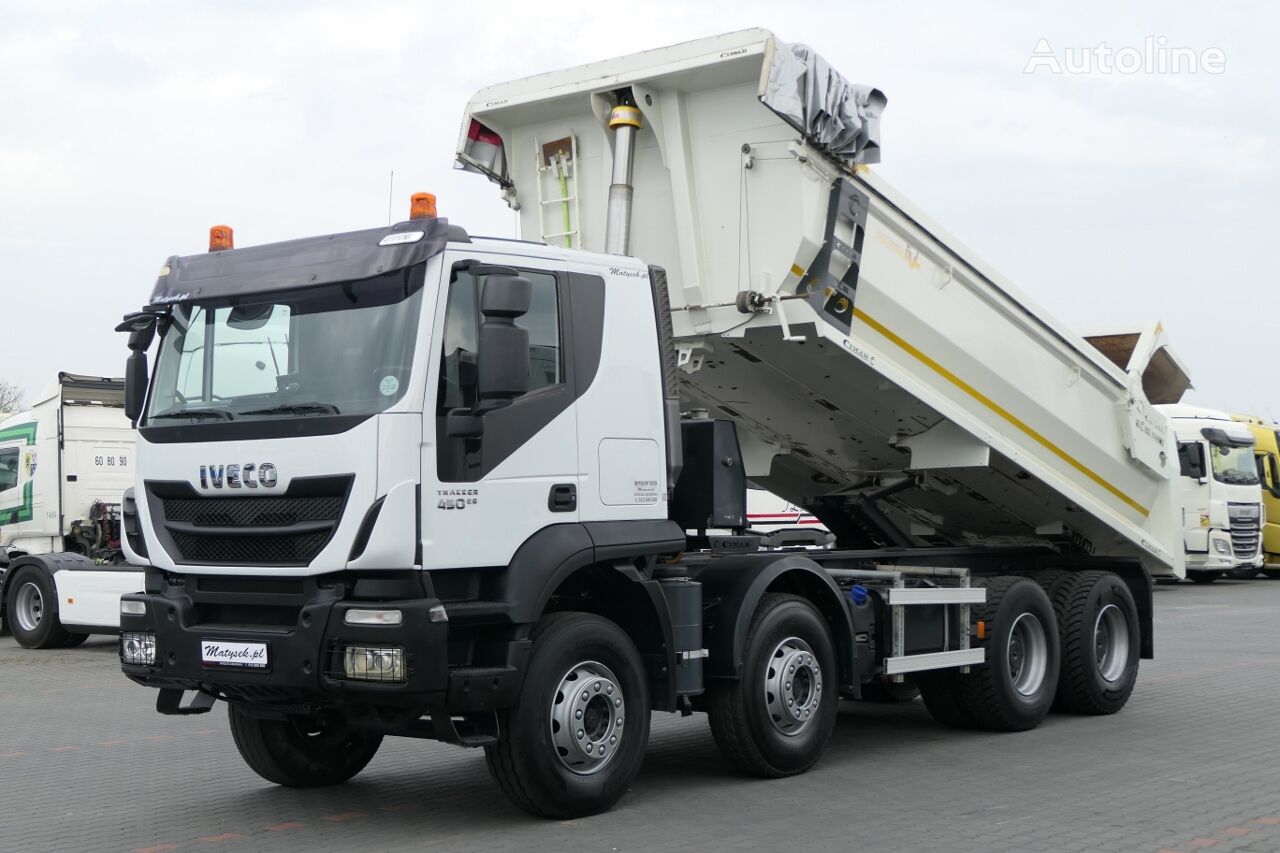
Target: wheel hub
<point>792,686</point>
<point>1027,653</point>
<point>587,712</point>
<point>1111,643</point>
<point>29,606</point>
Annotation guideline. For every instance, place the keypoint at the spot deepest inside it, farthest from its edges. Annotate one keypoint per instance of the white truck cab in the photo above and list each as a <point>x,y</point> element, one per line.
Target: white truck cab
<point>1222,513</point>
<point>64,464</point>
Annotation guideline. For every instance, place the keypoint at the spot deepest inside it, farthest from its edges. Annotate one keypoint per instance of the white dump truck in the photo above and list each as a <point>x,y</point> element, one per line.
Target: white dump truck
<point>64,464</point>
<point>467,497</point>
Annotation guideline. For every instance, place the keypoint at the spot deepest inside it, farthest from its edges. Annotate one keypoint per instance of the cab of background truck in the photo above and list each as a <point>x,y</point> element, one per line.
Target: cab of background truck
<point>1266,451</point>
<point>411,397</point>
<point>1222,510</point>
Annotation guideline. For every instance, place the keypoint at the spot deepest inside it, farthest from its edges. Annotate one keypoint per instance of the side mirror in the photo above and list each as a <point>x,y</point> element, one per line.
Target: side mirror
<point>135,384</point>
<point>502,360</point>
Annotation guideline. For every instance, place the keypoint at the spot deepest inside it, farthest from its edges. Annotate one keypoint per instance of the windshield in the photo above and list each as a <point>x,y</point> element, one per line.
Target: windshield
<point>344,348</point>
<point>1234,465</point>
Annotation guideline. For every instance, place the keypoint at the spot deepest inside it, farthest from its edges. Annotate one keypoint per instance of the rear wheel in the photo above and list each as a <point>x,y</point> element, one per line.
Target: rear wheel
<point>1013,690</point>
<point>776,720</point>
<point>32,612</point>
<point>1204,577</point>
<point>576,738</point>
<point>1098,623</point>
<point>302,752</point>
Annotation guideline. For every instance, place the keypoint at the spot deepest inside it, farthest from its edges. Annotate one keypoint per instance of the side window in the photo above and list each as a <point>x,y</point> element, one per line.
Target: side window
<point>462,329</point>
<point>190,382</point>
<point>9,468</point>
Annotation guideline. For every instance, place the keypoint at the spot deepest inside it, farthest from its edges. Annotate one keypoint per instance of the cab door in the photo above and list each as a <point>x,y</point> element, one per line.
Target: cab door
<point>485,494</point>
<point>1194,489</point>
<point>1269,473</point>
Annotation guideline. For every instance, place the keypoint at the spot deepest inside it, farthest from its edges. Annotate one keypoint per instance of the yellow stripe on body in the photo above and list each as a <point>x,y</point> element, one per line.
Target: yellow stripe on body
<point>999,410</point>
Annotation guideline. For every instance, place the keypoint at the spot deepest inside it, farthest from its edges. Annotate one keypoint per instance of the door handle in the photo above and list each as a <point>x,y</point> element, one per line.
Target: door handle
<point>563,498</point>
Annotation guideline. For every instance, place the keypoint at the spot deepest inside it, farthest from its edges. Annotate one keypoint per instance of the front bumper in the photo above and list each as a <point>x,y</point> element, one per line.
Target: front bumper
<point>305,639</point>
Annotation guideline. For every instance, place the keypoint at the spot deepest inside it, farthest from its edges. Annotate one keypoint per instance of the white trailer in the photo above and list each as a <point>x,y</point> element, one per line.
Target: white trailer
<point>64,464</point>
<point>473,492</point>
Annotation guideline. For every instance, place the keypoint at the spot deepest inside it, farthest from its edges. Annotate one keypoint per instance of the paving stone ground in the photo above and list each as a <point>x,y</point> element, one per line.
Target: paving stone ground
<point>1192,764</point>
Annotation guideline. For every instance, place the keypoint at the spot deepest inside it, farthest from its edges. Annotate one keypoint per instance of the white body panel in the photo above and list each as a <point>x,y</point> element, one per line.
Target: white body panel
<point>938,339</point>
<point>92,598</point>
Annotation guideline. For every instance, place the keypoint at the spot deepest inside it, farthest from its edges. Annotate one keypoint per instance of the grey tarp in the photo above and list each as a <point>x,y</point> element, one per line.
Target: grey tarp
<point>840,117</point>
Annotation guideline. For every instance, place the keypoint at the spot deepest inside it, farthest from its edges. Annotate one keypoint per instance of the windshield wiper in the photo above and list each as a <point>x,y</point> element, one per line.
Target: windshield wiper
<point>195,413</point>
<point>296,409</point>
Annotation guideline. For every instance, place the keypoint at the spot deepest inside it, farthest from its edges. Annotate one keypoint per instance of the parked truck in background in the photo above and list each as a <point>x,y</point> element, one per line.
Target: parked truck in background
<point>64,464</point>
<point>1266,452</point>
<point>1222,509</point>
<point>467,498</point>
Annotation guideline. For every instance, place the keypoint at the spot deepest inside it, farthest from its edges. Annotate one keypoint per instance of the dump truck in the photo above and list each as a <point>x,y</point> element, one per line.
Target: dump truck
<point>492,492</point>
<point>64,464</point>
<point>1266,450</point>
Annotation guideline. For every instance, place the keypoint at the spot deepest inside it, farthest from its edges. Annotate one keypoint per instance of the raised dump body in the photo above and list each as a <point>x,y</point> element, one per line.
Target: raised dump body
<point>879,373</point>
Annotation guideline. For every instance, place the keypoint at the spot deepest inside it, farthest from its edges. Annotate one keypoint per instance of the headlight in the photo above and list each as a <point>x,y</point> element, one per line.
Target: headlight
<point>138,648</point>
<point>364,663</point>
<point>1221,547</point>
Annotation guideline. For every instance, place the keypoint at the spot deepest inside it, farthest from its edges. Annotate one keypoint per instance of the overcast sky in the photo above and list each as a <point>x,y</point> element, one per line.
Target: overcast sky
<point>127,129</point>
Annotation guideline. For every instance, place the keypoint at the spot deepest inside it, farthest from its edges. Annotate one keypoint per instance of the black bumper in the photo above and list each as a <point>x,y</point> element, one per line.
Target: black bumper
<point>305,645</point>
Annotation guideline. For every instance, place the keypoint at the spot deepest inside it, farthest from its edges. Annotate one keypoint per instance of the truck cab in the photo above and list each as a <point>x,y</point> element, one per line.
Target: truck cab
<point>1266,450</point>
<point>1222,511</point>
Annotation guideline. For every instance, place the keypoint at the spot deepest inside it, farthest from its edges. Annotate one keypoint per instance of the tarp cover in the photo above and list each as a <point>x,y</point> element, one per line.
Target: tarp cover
<point>840,117</point>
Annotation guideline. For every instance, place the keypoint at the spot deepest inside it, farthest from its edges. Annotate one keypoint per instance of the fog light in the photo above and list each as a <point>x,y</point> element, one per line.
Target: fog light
<point>373,617</point>
<point>364,663</point>
<point>132,608</point>
<point>1221,547</point>
<point>138,648</point>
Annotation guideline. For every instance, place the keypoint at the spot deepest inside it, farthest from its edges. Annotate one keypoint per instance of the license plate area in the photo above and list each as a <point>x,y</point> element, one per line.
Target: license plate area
<point>234,654</point>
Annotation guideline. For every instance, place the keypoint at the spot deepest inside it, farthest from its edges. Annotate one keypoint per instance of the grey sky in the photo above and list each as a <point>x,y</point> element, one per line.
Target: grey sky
<point>127,129</point>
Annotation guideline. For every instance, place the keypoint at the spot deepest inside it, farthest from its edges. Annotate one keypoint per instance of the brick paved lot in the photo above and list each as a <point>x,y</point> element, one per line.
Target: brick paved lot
<point>1192,764</point>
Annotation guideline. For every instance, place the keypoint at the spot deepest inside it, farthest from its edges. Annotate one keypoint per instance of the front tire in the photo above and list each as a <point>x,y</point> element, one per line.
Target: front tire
<point>1098,621</point>
<point>302,752</point>
<point>576,737</point>
<point>776,720</point>
<point>31,612</point>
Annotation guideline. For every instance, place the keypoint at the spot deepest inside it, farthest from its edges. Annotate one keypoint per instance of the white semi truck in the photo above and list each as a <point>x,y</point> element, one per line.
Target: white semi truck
<point>1222,510</point>
<point>64,464</point>
<point>462,499</point>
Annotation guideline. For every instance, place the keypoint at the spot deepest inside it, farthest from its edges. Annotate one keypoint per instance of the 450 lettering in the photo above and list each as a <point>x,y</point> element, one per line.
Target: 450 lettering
<point>455,503</point>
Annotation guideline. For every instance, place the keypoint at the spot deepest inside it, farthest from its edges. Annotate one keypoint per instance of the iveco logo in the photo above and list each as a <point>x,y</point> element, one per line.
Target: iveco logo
<point>249,475</point>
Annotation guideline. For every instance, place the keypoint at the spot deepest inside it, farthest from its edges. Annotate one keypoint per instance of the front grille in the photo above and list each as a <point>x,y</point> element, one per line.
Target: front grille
<point>1245,530</point>
<point>299,550</point>
<point>267,530</point>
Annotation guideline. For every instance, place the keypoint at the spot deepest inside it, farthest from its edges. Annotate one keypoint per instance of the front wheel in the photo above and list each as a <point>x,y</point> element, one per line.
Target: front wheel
<point>776,720</point>
<point>302,752</point>
<point>32,611</point>
<point>576,737</point>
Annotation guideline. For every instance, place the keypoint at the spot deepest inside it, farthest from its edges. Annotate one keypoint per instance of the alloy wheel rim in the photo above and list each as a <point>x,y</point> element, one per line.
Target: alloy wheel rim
<point>586,717</point>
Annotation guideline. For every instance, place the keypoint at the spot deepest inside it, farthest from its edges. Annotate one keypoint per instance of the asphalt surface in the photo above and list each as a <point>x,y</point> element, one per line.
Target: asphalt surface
<point>1193,763</point>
